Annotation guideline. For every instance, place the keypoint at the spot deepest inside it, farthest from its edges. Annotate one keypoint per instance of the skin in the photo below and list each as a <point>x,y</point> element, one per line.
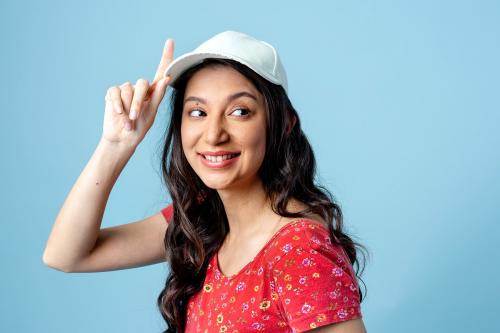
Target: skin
<point>77,243</point>
<point>212,122</point>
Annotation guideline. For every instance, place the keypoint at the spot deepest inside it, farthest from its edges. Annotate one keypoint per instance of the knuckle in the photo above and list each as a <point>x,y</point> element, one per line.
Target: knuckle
<point>142,82</point>
<point>127,91</point>
<point>113,91</point>
<point>110,93</point>
<point>137,105</point>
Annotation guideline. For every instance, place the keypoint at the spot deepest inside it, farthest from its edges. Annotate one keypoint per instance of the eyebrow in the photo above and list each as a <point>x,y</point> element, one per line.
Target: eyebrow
<point>229,98</point>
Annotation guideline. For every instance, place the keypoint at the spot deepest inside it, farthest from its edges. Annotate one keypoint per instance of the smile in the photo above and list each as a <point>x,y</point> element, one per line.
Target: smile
<point>220,160</point>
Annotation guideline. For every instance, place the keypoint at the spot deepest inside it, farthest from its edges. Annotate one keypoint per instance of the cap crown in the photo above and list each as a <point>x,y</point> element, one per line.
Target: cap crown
<point>258,55</point>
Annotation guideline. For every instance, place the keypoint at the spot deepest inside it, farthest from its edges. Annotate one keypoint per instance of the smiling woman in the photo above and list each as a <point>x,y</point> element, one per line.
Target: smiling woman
<point>253,243</point>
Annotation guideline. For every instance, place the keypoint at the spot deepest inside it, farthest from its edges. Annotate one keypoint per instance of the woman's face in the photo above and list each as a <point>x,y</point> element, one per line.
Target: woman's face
<point>223,127</point>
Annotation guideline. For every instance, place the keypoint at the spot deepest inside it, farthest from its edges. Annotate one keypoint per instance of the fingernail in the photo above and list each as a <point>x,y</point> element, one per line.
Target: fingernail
<point>128,126</point>
<point>133,114</point>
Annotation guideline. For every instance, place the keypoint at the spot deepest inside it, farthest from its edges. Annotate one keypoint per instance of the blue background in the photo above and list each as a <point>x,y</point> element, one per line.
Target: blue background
<point>400,100</point>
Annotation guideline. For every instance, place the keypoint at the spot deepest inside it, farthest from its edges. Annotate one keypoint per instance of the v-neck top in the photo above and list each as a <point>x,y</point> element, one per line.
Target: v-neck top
<point>262,251</point>
<point>298,281</point>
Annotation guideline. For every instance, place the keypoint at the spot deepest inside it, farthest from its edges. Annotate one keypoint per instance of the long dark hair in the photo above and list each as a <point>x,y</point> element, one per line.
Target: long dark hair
<point>199,223</point>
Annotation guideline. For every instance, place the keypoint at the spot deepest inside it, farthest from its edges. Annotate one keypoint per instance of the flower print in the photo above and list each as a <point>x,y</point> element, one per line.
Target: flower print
<point>252,300</point>
<point>306,308</point>
<point>342,313</point>
<point>244,306</point>
<point>337,271</point>
<point>287,277</point>
<point>312,325</point>
<point>260,270</point>
<point>315,240</point>
<point>333,294</point>
<point>240,286</point>
<point>289,262</point>
<point>315,275</point>
<point>223,328</point>
<point>295,237</point>
<point>287,301</point>
<point>265,317</point>
<point>288,286</point>
<point>264,305</point>
<point>274,296</point>
<point>306,262</point>
<point>258,326</point>
<point>256,288</point>
<point>207,287</point>
<point>287,248</point>
<point>320,317</point>
<point>220,317</point>
<point>232,299</point>
<point>353,287</point>
<point>302,280</point>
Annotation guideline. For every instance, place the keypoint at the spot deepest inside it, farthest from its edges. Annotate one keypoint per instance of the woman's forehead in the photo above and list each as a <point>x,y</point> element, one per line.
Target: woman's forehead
<point>219,80</point>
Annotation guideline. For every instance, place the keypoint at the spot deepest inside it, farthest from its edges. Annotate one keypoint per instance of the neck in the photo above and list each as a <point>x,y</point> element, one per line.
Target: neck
<point>248,211</point>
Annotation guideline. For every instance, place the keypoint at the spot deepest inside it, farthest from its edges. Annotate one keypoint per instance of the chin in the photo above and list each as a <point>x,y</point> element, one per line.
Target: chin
<point>216,185</point>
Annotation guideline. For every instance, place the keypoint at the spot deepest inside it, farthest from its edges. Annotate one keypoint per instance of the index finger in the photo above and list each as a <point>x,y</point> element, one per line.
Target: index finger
<point>166,59</point>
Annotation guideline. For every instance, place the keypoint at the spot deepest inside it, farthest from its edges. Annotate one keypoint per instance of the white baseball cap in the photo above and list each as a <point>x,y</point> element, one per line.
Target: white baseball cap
<point>258,55</point>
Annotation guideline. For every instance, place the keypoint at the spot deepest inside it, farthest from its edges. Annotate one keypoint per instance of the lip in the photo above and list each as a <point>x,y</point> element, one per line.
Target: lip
<point>218,165</point>
<point>218,153</point>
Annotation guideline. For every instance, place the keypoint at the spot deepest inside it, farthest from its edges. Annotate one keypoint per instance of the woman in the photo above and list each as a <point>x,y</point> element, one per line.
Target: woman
<point>253,243</point>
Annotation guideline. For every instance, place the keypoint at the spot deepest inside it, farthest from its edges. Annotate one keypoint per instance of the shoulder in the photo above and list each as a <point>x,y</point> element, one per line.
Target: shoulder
<point>305,245</point>
<point>313,278</point>
<point>304,237</point>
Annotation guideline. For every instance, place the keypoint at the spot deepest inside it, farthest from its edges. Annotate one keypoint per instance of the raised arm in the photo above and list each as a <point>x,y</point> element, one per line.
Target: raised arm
<point>77,243</point>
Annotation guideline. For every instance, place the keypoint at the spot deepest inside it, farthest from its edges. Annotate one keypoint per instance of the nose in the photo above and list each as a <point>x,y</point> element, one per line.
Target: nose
<point>215,131</point>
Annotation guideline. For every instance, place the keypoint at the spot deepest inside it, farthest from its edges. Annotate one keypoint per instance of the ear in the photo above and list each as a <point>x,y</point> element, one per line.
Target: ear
<point>292,125</point>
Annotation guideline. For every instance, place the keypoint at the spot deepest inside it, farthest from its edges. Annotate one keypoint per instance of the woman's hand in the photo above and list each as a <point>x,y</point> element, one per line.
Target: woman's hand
<point>131,109</point>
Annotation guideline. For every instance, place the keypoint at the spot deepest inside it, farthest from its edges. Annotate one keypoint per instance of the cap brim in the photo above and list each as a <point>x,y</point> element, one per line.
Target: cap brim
<point>188,60</point>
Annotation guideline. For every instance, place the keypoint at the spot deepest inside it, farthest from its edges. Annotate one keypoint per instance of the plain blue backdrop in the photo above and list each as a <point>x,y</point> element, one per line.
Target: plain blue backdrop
<point>400,100</point>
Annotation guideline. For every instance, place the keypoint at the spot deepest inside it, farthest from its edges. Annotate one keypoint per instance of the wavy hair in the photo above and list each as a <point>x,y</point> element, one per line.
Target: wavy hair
<point>199,223</point>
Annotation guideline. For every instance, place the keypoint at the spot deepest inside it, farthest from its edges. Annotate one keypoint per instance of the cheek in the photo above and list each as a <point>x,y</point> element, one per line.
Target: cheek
<point>256,141</point>
<point>188,139</point>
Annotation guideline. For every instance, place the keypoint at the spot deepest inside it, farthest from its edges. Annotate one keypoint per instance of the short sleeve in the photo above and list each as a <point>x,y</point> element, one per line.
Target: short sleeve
<point>315,281</point>
<point>168,213</point>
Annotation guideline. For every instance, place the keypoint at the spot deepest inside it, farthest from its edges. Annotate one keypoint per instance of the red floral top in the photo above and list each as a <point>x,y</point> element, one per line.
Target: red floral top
<point>297,282</point>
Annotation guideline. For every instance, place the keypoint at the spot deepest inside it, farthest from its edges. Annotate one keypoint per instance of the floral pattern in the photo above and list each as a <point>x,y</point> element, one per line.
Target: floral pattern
<point>297,282</point>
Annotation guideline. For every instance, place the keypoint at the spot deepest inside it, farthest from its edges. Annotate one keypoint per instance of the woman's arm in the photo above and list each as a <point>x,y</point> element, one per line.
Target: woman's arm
<point>76,242</point>
<point>349,326</point>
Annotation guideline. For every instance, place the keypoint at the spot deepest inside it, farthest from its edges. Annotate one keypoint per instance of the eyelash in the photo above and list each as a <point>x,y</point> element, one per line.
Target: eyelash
<point>243,109</point>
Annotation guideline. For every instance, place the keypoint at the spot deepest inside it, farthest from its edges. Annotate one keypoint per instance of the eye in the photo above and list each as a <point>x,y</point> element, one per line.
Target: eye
<point>240,112</point>
<point>196,113</point>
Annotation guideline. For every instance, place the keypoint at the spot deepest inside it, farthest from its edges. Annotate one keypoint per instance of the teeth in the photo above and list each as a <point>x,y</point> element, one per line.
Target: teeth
<point>219,158</point>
